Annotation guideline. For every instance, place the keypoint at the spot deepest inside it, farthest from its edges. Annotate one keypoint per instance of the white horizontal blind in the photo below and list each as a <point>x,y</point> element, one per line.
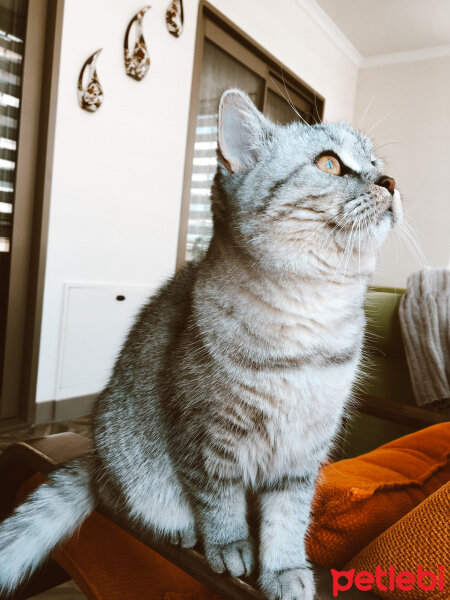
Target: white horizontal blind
<point>12,33</point>
<point>219,71</point>
<point>12,41</point>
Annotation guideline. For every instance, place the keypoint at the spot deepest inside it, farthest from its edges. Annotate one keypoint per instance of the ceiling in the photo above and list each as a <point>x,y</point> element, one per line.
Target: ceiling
<point>387,26</point>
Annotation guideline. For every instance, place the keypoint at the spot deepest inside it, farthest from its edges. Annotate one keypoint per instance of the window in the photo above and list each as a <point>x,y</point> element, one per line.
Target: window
<point>230,60</point>
<point>12,37</point>
<point>30,35</point>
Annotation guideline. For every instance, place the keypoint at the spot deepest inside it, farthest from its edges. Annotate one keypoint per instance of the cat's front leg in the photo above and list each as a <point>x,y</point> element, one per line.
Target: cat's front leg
<point>285,513</point>
<point>221,510</point>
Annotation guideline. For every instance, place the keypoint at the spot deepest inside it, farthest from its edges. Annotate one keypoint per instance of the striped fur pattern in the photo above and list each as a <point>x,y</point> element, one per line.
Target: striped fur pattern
<point>234,379</point>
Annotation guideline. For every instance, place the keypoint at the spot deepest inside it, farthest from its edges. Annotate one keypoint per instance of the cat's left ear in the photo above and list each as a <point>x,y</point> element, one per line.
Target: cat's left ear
<point>242,131</point>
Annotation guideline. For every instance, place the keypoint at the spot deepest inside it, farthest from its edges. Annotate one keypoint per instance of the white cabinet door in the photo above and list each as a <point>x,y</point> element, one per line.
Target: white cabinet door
<point>96,320</point>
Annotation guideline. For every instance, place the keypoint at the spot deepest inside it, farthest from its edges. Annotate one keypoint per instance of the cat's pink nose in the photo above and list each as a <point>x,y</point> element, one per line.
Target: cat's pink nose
<point>387,182</point>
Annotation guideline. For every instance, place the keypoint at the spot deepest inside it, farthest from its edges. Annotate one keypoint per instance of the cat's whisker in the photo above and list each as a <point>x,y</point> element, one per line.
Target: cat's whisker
<point>413,237</point>
<point>412,244</point>
<point>342,222</point>
<point>359,256</point>
<point>409,236</point>
<point>342,258</point>
<point>379,122</point>
<point>390,143</point>
<point>288,100</point>
<point>316,119</point>
<point>407,242</point>
<point>395,240</point>
<point>312,236</point>
<point>370,237</point>
<point>363,118</point>
<point>347,244</point>
<point>348,258</point>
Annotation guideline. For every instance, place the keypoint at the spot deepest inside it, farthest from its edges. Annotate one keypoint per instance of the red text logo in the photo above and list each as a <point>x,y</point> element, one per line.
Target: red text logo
<point>388,580</point>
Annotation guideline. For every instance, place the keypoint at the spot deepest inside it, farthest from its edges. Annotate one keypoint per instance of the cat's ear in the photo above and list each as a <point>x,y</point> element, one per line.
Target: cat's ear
<point>242,131</point>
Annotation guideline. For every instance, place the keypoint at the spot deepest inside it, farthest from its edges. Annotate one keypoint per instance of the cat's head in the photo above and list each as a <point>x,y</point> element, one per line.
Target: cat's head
<point>301,198</point>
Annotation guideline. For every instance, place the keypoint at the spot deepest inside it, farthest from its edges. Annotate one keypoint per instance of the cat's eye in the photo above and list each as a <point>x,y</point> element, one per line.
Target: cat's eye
<point>329,164</point>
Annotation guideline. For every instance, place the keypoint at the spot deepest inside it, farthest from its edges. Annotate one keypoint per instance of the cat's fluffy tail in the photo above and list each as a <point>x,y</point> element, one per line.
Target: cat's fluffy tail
<point>50,514</point>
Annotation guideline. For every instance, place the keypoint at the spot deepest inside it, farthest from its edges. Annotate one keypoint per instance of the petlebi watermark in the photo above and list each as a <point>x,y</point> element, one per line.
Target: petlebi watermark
<point>390,579</point>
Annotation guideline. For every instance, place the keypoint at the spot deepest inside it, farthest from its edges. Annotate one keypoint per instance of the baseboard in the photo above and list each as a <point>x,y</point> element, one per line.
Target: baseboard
<point>60,410</point>
<point>45,412</point>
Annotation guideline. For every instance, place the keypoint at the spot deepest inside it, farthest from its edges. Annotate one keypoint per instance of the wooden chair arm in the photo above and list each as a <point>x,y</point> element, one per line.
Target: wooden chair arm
<point>44,454</point>
<point>399,413</point>
<point>21,460</point>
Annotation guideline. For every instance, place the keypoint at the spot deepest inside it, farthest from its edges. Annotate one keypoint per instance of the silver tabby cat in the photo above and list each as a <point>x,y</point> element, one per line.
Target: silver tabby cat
<point>235,376</point>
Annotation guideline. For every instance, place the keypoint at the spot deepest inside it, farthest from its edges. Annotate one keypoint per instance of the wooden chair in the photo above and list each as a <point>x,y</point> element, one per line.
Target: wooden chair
<point>387,397</point>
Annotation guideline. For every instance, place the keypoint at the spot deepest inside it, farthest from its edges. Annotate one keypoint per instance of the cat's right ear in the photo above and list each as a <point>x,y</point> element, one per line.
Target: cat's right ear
<point>242,131</point>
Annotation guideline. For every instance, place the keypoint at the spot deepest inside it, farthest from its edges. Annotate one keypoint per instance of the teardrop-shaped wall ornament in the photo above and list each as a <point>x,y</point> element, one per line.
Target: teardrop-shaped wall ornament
<point>90,95</point>
<point>175,18</point>
<point>137,62</point>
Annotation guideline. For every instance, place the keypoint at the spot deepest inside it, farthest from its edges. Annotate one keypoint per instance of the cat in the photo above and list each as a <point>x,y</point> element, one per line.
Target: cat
<point>236,374</point>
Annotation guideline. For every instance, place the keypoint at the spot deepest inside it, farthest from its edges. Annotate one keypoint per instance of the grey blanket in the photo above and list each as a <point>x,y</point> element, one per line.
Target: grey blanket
<point>425,323</point>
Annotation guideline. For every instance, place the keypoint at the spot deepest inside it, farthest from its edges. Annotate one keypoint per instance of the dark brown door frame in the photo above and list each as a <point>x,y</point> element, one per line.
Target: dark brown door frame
<point>31,209</point>
<point>226,34</point>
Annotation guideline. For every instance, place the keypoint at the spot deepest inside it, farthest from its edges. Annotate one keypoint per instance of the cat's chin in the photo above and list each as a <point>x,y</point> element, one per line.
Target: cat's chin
<point>391,219</point>
<point>397,209</point>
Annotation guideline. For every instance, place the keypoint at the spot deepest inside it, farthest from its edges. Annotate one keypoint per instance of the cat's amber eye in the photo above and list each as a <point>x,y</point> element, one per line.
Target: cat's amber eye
<point>329,164</point>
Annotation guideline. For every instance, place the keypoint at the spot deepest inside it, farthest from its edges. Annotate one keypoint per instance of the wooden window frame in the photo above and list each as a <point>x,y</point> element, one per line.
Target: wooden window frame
<point>31,210</point>
<point>215,27</point>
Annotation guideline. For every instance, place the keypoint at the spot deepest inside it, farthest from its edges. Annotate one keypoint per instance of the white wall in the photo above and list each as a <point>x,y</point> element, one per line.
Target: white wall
<point>117,176</point>
<point>408,109</point>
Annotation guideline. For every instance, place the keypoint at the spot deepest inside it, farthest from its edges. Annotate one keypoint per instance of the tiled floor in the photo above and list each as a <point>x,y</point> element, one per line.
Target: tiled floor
<point>66,591</point>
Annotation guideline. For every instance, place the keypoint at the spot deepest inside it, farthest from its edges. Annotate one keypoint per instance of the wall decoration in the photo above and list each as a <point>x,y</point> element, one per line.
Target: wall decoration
<point>137,62</point>
<point>90,96</point>
<point>175,18</point>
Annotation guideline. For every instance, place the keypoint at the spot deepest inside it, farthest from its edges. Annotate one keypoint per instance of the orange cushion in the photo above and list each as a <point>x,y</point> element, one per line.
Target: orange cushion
<point>107,563</point>
<point>422,537</point>
<point>359,498</point>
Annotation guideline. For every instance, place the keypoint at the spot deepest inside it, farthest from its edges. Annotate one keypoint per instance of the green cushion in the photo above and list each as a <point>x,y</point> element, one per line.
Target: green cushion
<point>385,368</point>
<point>385,372</point>
<point>383,324</point>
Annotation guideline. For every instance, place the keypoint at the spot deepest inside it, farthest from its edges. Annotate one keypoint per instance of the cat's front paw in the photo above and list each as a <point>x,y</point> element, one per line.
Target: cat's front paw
<point>186,538</point>
<point>288,584</point>
<point>235,558</point>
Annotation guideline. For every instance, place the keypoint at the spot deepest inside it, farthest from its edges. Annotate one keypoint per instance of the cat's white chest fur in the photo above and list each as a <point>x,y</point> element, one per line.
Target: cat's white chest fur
<point>302,418</point>
<point>289,353</point>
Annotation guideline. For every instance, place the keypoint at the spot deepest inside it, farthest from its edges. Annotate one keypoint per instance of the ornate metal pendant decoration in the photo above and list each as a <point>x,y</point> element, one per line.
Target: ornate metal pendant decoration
<point>91,95</point>
<point>175,18</point>
<point>137,62</point>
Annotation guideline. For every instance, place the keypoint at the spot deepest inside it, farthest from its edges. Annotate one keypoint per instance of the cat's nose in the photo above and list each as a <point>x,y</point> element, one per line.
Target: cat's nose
<point>386,182</point>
